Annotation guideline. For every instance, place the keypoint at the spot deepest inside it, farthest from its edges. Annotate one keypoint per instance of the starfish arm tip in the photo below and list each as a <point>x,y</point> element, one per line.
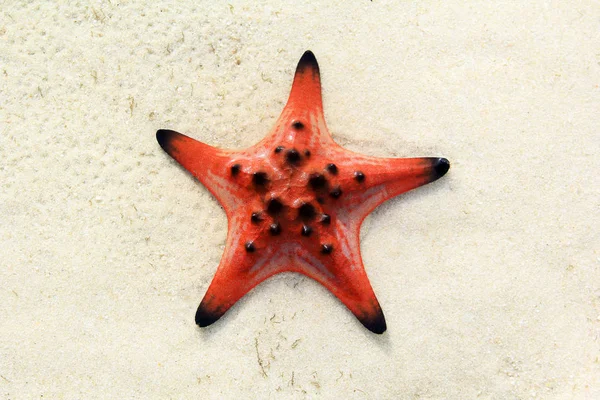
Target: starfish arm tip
<point>376,323</point>
<point>440,167</point>
<point>165,138</point>
<point>308,59</point>
<point>205,318</point>
<point>305,95</point>
<point>162,137</point>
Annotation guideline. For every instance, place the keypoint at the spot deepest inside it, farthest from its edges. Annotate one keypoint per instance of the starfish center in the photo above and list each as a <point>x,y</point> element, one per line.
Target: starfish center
<point>293,192</point>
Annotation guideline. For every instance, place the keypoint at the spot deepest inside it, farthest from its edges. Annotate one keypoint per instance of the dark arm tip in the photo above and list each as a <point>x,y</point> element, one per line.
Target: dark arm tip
<point>205,318</point>
<point>308,57</point>
<point>164,136</point>
<point>308,60</point>
<point>376,324</point>
<point>441,166</point>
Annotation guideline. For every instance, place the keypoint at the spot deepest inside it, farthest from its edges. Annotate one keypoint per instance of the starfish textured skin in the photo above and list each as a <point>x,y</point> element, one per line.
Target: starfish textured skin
<point>295,202</point>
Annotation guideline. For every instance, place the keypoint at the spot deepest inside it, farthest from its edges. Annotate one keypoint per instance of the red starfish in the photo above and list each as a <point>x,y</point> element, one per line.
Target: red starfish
<point>295,202</point>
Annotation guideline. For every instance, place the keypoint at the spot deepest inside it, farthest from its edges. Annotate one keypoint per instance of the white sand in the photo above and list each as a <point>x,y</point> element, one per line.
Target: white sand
<point>489,278</point>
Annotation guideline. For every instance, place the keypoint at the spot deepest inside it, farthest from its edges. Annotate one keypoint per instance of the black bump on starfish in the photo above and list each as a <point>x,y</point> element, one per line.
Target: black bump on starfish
<point>256,217</point>
<point>235,169</point>
<point>297,124</point>
<point>260,179</point>
<point>325,219</point>
<point>275,229</point>
<point>278,149</point>
<point>292,156</point>
<point>306,211</point>
<point>332,168</point>
<point>306,153</point>
<point>317,181</point>
<point>250,247</point>
<point>359,176</point>
<point>274,207</point>
<point>326,248</point>
<point>336,192</point>
<point>306,230</point>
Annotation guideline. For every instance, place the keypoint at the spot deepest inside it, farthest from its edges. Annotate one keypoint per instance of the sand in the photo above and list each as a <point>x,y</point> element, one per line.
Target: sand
<point>489,278</point>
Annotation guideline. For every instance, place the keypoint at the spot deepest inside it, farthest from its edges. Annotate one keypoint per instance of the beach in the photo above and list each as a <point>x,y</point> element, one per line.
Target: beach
<point>489,278</point>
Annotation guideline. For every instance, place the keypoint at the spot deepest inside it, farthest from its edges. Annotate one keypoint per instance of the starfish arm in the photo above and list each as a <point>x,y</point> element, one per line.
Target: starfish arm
<point>370,181</point>
<point>208,164</point>
<point>302,122</point>
<point>342,272</point>
<point>306,88</point>
<point>245,264</point>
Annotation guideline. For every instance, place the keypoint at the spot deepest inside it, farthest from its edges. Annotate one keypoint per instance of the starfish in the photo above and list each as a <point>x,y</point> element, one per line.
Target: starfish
<point>295,202</point>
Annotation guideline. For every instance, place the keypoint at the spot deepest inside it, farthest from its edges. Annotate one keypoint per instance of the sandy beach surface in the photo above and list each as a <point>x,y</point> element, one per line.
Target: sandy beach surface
<point>489,278</point>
